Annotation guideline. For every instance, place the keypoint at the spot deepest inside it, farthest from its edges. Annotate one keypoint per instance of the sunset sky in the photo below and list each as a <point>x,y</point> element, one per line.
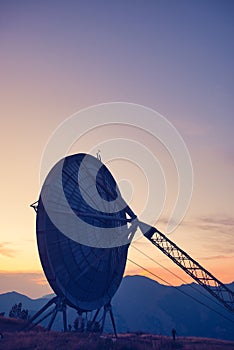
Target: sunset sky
<point>175,57</point>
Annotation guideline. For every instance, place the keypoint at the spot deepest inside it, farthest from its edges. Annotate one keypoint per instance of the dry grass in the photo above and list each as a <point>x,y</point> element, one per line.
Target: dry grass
<point>74,341</point>
<point>8,324</point>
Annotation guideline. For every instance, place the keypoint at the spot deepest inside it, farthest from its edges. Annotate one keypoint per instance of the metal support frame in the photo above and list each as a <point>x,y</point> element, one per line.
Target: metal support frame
<point>90,327</point>
<point>59,306</point>
<point>191,267</point>
<point>95,316</point>
<point>108,308</point>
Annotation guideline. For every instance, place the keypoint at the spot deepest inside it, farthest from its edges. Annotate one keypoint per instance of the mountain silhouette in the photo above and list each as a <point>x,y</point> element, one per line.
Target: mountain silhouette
<point>144,305</point>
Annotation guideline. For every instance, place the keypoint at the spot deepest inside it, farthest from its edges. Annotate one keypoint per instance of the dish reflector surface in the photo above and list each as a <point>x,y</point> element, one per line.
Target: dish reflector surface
<point>87,277</point>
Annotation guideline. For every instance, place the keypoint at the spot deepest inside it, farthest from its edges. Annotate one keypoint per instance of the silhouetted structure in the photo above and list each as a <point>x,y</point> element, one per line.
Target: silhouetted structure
<point>82,275</point>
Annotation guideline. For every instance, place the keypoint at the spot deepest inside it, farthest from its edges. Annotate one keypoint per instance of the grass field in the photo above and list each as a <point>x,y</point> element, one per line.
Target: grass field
<point>13,325</point>
<point>13,339</point>
<point>74,341</point>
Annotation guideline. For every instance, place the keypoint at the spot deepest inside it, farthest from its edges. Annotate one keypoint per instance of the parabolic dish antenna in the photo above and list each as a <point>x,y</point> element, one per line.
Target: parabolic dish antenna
<point>87,277</point>
<point>84,228</point>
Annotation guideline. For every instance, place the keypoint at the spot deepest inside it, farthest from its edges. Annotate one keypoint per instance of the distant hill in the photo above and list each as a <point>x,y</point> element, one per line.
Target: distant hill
<point>7,300</point>
<point>142,304</point>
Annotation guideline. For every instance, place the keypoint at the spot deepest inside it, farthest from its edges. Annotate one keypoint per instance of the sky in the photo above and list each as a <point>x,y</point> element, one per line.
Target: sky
<point>176,57</point>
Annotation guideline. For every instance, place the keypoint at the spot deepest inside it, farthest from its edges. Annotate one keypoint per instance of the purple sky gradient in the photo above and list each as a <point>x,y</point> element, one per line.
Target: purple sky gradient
<point>173,56</point>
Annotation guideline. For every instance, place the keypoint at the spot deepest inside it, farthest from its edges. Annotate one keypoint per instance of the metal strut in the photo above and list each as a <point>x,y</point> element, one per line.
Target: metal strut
<point>94,326</point>
<point>190,266</point>
<point>59,306</point>
<point>108,308</point>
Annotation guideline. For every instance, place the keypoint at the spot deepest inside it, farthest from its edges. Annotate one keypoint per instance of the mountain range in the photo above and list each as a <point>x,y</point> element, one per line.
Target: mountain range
<point>144,305</point>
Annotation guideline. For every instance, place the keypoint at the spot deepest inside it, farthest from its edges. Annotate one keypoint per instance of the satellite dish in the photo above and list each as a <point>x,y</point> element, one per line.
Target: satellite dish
<point>86,276</point>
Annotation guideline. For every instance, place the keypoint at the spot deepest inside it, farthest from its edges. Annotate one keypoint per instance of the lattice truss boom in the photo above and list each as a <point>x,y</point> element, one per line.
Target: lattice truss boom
<point>193,268</point>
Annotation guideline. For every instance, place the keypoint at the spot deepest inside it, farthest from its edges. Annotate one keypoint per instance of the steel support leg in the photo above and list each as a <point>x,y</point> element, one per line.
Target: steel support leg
<point>65,317</point>
<point>52,318</point>
<point>37,314</point>
<point>113,321</point>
